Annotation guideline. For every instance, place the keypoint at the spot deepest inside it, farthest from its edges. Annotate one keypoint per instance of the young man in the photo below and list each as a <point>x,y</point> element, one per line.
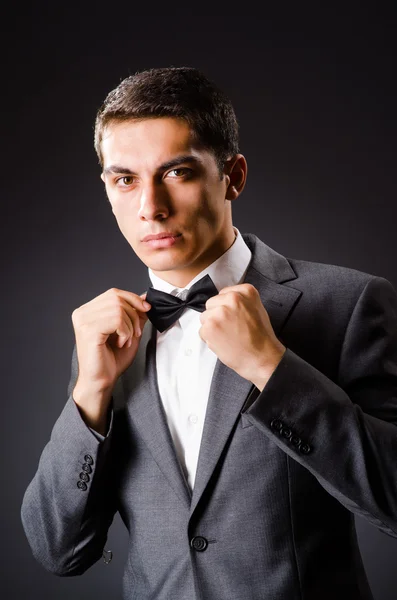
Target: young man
<point>240,419</point>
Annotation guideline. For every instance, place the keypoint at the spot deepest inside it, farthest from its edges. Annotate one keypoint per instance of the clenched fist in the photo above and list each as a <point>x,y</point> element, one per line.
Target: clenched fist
<point>108,332</point>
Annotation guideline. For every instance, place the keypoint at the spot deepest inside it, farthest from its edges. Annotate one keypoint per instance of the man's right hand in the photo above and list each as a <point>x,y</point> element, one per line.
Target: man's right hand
<point>108,334</point>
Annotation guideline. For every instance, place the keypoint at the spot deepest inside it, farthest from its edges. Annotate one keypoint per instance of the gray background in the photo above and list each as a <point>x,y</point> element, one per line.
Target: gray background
<point>315,97</point>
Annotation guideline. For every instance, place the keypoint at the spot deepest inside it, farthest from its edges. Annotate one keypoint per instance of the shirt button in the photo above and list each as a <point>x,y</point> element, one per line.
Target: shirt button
<point>188,351</point>
<point>193,419</point>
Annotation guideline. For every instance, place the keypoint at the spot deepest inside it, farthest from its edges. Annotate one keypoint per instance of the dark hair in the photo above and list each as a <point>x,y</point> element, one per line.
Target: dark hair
<point>180,92</point>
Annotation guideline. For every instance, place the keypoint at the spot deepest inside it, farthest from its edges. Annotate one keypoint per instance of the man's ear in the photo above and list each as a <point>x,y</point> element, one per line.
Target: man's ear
<point>236,171</point>
<point>103,177</point>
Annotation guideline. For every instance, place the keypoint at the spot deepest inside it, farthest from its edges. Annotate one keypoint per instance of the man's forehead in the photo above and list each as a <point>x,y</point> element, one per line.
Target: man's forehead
<point>150,143</point>
<point>165,130</point>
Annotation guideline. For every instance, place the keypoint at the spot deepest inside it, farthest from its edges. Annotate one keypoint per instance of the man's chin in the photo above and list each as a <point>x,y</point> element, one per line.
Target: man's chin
<point>164,266</point>
<point>162,259</point>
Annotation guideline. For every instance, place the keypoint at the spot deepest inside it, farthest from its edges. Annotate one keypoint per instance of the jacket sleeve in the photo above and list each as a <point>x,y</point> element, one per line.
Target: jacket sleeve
<point>344,432</point>
<point>69,506</point>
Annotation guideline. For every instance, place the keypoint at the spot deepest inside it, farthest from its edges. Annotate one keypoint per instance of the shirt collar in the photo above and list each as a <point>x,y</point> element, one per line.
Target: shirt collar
<point>229,269</point>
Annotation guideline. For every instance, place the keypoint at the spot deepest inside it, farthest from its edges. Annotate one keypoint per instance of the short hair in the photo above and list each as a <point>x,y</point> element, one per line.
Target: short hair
<point>179,92</point>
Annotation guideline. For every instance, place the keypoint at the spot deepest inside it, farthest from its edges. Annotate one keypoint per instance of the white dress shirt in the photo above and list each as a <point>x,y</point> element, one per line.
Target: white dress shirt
<point>184,363</point>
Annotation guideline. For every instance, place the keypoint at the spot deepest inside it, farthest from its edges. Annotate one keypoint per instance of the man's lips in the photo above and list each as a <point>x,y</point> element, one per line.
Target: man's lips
<point>162,241</point>
<point>159,236</point>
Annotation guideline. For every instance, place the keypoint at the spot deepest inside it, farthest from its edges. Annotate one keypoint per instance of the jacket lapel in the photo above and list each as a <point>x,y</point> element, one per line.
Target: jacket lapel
<point>145,409</point>
<point>229,391</point>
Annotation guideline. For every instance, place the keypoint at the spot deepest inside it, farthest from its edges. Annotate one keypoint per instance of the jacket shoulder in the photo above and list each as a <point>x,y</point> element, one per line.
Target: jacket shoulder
<point>330,276</point>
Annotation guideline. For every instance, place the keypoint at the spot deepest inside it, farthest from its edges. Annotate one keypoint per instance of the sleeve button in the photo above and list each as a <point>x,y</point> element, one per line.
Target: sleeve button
<point>88,459</point>
<point>286,432</point>
<point>86,467</point>
<point>276,424</point>
<point>305,448</point>
<point>82,486</point>
<point>295,440</point>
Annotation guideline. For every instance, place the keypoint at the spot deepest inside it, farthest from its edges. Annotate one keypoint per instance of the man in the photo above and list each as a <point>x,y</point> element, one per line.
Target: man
<point>241,418</point>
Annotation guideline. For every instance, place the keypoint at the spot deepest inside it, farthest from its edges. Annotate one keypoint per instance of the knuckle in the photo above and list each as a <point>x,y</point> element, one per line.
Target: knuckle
<point>234,301</point>
<point>75,316</point>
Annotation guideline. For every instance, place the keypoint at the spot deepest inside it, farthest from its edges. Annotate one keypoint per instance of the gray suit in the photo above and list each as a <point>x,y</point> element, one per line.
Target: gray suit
<point>280,472</point>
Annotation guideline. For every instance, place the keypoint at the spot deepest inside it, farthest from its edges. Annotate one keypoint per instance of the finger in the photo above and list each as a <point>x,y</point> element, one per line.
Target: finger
<point>135,317</point>
<point>134,300</point>
<point>124,331</point>
<point>241,288</point>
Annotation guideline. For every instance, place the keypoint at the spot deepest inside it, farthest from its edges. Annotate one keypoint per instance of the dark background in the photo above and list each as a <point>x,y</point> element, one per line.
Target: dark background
<point>315,96</point>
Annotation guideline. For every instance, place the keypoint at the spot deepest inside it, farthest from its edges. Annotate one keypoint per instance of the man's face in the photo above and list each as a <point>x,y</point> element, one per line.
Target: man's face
<point>149,196</point>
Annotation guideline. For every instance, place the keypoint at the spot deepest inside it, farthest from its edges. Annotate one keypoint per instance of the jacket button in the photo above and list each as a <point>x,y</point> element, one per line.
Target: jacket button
<point>84,477</point>
<point>85,467</point>
<point>286,432</point>
<point>199,543</point>
<point>305,448</point>
<point>276,424</point>
<point>88,459</point>
<point>82,486</point>
<point>295,440</point>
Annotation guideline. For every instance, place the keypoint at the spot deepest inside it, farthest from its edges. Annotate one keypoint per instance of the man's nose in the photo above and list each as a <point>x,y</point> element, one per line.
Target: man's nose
<point>154,201</point>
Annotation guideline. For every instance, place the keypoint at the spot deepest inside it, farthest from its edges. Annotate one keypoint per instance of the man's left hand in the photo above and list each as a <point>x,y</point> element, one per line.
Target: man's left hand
<point>237,328</point>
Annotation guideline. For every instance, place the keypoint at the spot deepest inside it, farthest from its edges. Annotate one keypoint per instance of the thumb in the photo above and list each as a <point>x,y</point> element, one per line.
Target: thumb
<point>143,296</point>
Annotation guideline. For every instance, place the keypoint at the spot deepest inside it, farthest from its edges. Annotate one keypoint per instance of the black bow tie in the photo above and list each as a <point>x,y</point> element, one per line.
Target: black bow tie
<point>166,308</point>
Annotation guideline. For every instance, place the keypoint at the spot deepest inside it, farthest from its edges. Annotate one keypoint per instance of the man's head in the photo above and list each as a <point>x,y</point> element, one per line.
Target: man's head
<point>167,140</point>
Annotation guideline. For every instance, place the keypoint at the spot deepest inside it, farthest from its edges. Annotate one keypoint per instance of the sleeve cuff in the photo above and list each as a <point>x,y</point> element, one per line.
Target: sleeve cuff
<point>99,436</point>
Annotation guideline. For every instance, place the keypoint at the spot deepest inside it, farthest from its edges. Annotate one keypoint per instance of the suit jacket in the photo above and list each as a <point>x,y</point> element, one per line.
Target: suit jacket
<point>281,472</point>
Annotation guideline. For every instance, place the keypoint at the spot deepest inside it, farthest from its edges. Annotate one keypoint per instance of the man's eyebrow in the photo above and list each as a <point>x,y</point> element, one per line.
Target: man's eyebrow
<point>184,158</point>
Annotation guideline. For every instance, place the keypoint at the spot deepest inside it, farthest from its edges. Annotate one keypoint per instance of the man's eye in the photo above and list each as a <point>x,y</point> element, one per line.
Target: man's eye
<point>182,171</point>
<point>127,180</point>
